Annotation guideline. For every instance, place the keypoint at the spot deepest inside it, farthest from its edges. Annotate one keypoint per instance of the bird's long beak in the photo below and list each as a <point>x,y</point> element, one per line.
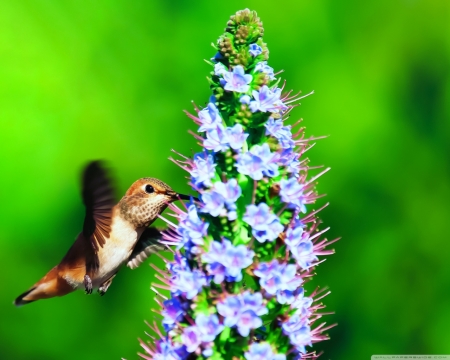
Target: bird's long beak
<point>176,196</point>
<point>186,197</point>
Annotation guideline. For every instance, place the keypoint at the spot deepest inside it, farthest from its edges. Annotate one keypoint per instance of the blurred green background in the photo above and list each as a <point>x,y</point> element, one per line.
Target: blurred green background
<point>82,80</point>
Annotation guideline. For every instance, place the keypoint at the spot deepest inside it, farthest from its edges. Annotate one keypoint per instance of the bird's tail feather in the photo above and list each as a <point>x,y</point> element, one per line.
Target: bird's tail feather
<point>49,286</point>
<point>21,298</point>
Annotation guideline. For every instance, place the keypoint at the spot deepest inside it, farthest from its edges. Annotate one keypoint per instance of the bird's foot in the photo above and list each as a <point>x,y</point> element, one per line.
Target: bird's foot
<point>87,284</point>
<point>105,285</point>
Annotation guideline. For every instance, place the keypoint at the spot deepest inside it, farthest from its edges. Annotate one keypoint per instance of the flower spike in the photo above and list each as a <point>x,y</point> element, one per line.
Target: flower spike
<point>243,252</point>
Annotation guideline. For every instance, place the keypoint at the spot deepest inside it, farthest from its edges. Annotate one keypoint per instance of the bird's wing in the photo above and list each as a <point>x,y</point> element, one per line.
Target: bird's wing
<point>147,244</point>
<point>98,198</point>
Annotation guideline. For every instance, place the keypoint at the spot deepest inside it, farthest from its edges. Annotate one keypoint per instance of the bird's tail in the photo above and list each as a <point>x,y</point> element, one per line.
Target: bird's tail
<point>25,298</point>
<point>49,286</point>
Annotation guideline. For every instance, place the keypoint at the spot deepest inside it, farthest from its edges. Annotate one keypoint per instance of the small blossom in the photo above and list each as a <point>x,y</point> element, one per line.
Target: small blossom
<point>302,304</point>
<point>165,350</point>
<point>279,279</point>
<point>191,338</point>
<point>209,117</point>
<point>245,99</point>
<point>267,100</point>
<point>300,246</point>
<point>257,162</point>
<point>242,310</point>
<point>254,50</point>
<point>265,225</point>
<point>291,192</point>
<point>173,312</point>
<point>213,203</point>
<point>230,190</point>
<point>237,80</point>
<point>281,133</point>
<point>264,68</point>
<point>222,194</point>
<point>236,136</point>
<point>262,351</point>
<point>187,283</point>
<point>304,254</point>
<point>299,332</point>
<point>227,261</point>
<point>203,169</point>
<point>216,139</point>
<point>220,69</point>
<point>289,158</point>
<point>191,227</point>
<point>208,326</point>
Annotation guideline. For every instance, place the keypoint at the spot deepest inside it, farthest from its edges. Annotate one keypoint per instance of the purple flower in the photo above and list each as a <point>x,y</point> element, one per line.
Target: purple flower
<point>191,338</point>
<point>191,227</point>
<point>245,99</point>
<point>279,279</point>
<point>203,169</point>
<point>301,247</point>
<point>291,192</point>
<point>173,312</point>
<point>220,69</point>
<point>227,261</point>
<point>248,320</point>
<point>213,203</point>
<point>267,100</point>
<point>209,117</point>
<point>302,304</point>
<point>281,133</point>
<point>187,283</point>
<point>263,67</point>
<point>165,350</point>
<point>304,254</point>
<point>216,139</point>
<point>262,351</point>
<point>289,158</point>
<point>254,50</point>
<point>242,310</point>
<point>209,326</point>
<point>236,80</point>
<point>299,332</point>
<point>257,162</point>
<point>265,225</point>
<point>236,136</point>
<point>222,194</point>
<point>230,308</point>
<point>230,190</point>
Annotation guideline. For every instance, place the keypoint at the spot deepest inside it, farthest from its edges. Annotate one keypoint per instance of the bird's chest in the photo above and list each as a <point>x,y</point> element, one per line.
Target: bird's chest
<point>117,249</point>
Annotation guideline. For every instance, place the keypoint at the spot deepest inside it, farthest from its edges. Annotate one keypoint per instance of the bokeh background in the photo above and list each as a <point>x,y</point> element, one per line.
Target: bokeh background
<point>83,80</point>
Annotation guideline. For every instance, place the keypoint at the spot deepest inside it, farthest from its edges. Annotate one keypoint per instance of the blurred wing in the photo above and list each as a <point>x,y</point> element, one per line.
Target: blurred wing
<point>147,244</point>
<point>98,198</point>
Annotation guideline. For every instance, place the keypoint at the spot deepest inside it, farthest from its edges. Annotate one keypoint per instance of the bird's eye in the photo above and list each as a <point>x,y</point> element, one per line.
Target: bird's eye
<point>149,189</point>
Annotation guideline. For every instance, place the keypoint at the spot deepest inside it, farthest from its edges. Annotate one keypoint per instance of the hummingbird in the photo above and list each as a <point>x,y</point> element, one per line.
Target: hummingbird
<point>113,234</point>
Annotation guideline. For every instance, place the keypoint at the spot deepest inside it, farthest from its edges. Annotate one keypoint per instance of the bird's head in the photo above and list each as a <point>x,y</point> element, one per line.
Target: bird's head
<point>146,199</point>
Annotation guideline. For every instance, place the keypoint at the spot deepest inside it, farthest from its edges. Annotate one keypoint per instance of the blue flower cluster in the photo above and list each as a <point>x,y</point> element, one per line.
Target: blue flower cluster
<point>258,162</point>
<point>279,279</point>
<point>221,199</point>
<point>203,170</point>
<point>253,186</point>
<point>185,281</point>
<point>173,311</point>
<point>300,245</point>
<point>226,261</point>
<point>204,331</point>
<point>191,228</point>
<point>243,311</point>
<point>262,351</point>
<point>265,225</point>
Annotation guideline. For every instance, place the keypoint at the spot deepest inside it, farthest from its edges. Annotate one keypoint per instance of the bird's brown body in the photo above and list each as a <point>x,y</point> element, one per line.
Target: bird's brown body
<point>112,236</point>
